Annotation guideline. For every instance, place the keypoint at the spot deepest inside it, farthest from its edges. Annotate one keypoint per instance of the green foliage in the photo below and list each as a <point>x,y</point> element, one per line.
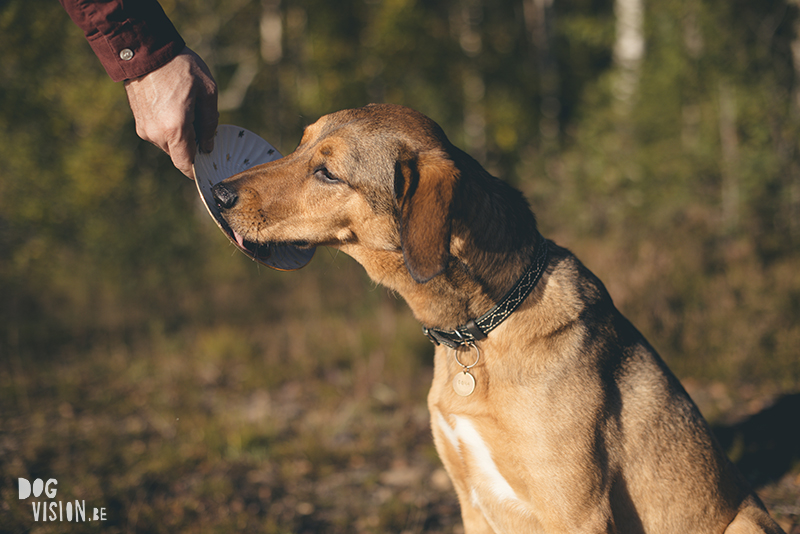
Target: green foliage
<point>649,179</point>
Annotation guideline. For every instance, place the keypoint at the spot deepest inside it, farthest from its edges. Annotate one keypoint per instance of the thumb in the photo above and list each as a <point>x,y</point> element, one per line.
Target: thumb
<point>182,148</point>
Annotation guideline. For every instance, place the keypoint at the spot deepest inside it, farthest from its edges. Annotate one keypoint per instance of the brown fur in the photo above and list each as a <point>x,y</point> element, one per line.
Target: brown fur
<point>575,424</point>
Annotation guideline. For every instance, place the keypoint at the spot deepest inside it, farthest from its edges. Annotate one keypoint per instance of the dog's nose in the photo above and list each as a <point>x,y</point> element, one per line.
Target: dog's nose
<point>225,195</point>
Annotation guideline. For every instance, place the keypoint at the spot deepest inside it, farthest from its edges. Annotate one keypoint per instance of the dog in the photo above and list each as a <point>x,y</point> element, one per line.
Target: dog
<point>549,410</point>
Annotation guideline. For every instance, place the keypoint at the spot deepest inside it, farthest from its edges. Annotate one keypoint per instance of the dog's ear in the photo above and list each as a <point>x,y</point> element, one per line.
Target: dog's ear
<point>424,186</point>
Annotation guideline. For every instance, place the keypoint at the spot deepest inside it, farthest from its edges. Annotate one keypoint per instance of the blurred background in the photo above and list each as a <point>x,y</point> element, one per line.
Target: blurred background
<point>155,371</point>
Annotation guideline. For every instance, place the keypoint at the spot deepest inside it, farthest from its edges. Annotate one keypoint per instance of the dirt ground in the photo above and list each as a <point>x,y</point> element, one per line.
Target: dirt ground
<point>209,433</point>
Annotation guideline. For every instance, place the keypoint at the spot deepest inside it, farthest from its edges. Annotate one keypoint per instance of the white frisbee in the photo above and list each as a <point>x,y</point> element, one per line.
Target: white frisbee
<point>236,150</point>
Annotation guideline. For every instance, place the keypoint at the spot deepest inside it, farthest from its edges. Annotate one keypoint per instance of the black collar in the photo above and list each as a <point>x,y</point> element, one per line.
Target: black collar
<point>477,329</point>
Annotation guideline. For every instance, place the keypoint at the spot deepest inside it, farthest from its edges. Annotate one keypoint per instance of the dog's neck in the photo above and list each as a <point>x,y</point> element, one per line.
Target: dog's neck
<point>492,244</point>
<point>493,241</point>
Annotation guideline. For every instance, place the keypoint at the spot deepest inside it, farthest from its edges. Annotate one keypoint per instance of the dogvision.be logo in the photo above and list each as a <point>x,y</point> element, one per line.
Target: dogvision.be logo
<point>56,510</point>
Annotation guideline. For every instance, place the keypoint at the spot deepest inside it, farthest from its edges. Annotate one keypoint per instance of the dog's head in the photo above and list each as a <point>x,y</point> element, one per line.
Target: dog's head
<point>380,177</point>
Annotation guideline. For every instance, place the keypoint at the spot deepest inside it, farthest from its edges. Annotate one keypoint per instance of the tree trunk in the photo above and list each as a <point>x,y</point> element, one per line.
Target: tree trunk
<point>628,47</point>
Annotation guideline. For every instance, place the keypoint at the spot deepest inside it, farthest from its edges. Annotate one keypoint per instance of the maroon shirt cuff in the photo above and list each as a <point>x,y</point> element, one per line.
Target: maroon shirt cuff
<point>130,38</point>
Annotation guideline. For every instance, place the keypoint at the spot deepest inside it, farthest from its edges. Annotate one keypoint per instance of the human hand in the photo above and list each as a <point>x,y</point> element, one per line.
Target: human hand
<point>175,108</point>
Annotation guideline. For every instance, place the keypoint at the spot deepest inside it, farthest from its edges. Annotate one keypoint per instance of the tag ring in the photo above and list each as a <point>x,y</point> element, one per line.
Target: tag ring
<point>477,357</point>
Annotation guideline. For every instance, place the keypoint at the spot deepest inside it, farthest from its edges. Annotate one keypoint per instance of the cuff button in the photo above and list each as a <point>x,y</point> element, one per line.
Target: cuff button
<point>126,54</point>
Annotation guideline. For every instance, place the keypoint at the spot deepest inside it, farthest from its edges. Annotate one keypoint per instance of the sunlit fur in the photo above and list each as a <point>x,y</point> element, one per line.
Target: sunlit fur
<point>575,425</point>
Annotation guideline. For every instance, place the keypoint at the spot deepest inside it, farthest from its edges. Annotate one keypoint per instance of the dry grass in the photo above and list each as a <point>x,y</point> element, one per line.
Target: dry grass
<point>309,416</point>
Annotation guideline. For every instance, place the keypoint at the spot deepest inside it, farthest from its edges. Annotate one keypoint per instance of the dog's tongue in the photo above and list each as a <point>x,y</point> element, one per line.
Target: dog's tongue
<point>239,238</point>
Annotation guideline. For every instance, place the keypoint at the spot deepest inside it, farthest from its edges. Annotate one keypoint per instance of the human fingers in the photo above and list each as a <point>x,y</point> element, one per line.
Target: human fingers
<point>206,120</point>
<point>206,114</point>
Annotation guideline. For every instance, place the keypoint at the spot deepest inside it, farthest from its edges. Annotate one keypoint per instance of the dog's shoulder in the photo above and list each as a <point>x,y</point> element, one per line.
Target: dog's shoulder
<point>570,286</point>
<point>573,310</point>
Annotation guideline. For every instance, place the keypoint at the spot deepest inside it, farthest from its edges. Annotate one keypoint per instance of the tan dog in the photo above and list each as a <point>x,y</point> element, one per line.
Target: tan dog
<point>553,414</point>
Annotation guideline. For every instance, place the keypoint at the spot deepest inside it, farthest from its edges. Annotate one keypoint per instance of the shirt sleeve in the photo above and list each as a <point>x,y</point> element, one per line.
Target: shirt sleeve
<point>130,37</point>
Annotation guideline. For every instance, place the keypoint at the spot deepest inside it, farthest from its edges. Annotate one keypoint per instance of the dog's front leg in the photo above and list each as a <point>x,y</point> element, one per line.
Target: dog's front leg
<point>474,520</point>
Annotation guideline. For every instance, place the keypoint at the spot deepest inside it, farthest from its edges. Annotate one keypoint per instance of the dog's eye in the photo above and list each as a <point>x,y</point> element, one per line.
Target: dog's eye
<point>324,175</point>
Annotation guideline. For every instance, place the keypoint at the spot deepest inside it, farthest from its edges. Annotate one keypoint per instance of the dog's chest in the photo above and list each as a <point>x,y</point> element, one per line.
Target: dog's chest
<point>482,474</point>
<point>462,437</point>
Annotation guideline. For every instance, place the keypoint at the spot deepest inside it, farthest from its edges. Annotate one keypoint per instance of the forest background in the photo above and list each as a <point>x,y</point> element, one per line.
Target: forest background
<point>155,372</point>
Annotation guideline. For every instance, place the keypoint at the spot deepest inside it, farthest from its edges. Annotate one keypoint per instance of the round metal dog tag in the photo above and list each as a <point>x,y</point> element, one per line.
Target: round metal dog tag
<point>464,383</point>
